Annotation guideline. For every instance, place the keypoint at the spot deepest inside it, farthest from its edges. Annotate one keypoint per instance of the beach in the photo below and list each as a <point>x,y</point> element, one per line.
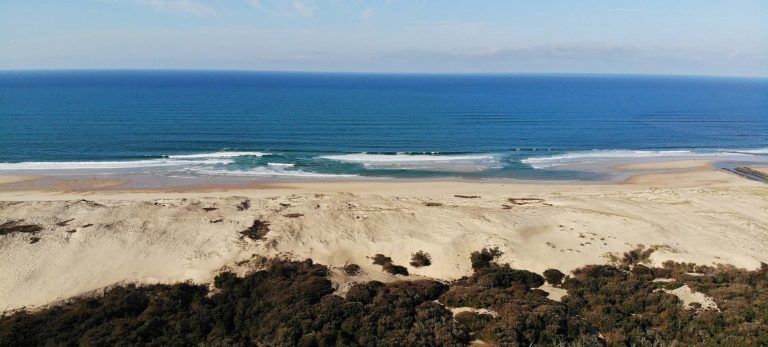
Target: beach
<point>92,234</point>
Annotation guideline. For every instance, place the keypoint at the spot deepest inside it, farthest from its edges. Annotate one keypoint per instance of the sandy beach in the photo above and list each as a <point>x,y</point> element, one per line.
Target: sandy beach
<point>91,239</point>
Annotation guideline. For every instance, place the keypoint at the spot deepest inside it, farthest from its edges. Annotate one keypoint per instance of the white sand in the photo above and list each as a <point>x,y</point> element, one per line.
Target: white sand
<point>689,297</point>
<point>555,293</point>
<point>704,216</point>
<point>457,310</point>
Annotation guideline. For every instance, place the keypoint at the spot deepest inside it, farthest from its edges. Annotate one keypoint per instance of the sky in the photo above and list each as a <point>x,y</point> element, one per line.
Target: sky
<point>680,37</point>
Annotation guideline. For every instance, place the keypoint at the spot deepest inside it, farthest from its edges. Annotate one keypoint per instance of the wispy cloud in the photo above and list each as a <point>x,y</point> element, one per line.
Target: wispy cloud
<point>304,9</point>
<point>191,7</point>
<point>556,51</point>
<point>551,57</point>
<point>312,8</point>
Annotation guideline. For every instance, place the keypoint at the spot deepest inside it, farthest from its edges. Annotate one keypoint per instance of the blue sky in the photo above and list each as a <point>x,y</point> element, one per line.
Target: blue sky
<point>701,37</point>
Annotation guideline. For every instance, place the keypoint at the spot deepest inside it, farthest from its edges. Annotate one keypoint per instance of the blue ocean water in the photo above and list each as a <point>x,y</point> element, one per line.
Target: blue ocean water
<point>339,125</point>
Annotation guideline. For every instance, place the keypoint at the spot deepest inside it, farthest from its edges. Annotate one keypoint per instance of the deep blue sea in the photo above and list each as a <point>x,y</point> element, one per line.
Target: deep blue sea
<point>261,124</point>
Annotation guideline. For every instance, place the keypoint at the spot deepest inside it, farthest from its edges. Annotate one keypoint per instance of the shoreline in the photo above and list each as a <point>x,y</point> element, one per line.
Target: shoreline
<point>26,188</point>
<point>577,167</point>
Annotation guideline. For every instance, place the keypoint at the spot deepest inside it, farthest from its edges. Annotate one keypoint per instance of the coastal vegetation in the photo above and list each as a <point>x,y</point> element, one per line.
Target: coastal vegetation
<point>18,226</point>
<point>554,276</point>
<point>293,303</point>
<point>388,266</point>
<point>352,269</point>
<point>257,231</point>
<point>421,259</point>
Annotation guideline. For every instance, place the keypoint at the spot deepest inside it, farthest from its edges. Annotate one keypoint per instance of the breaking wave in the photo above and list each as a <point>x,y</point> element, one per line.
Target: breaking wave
<point>262,171</point>
<point>426,162</point>
<point>215,158</point>
<point>608,155</point>
<point>131,164</point>
<point>218,155</point>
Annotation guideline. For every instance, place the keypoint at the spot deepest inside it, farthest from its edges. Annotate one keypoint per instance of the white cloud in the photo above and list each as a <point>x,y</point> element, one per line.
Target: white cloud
<point>192,7</point>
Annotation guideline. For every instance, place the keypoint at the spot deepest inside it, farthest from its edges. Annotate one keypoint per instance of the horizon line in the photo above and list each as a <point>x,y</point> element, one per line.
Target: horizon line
<point>457,73</point>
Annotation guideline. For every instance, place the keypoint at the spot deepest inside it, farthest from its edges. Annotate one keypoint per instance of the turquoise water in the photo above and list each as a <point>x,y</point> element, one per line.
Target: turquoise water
<point>189,123</point>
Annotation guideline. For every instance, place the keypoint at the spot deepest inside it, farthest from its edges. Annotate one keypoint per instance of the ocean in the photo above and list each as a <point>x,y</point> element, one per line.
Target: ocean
<point>327,125</point>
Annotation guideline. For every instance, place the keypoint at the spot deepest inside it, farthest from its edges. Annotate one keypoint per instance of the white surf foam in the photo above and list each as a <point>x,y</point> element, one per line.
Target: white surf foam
<point>584,157</point>
<point>81,165</point>
<point>405,158</point>
<point>213,158</point>
<point>217,155</point>
<point>747,151</point>
<point>437,162</point>
<point>280,164</point>
<point>265,171</point>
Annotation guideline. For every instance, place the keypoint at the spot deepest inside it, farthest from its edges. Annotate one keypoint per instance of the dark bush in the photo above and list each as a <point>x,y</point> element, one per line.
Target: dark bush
<point>473,321</point>
<point>352,269</point>
<point>420,259</point>
<point>364,292</point>
<point>257,231</point>
<point>224,279</point>
<point>503,276</point>
<point>388,266</point>
<point>483,258</point>
<point>395,269</point>
<point>642,270</point>
<point>380,259</point>
<point>525,316</point>
<point>554,276</point>
<point>17,226</point>
<point>637,256</point>
<point>292,304</point>
<point>244,205</point>
<point>287,304</point>
<point>628,308</point>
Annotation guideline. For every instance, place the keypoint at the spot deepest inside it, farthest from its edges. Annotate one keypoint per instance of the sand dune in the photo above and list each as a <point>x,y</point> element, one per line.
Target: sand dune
<point>117,236</point>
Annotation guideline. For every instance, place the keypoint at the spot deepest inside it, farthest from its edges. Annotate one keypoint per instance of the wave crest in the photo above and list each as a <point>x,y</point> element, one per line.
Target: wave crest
<point>131,164</point>
<point>583,157</point>
<point>426,162</point>
<point>217,155</point>
<point>266,171</point>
